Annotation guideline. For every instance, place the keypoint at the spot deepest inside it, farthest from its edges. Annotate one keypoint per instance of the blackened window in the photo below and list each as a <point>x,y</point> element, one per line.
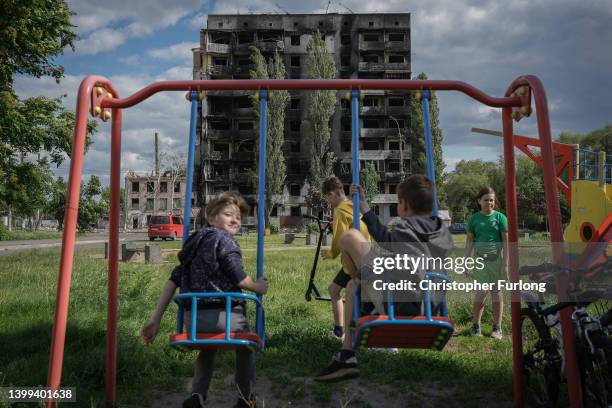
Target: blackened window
<point>295,40</point>
<point>396,102</point>
<point>135,187</point>
<point>393,210</point>
<point>345,60</point>
<point>345,39</point>
<point>296,211</point>
<point>396,59</point>
<point>396,37</point>
<point>295,104</point>
<point>294,189</point>
<point>295,61</point>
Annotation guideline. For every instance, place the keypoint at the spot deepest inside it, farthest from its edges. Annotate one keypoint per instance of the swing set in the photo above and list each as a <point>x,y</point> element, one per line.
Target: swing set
<point>98,97</point>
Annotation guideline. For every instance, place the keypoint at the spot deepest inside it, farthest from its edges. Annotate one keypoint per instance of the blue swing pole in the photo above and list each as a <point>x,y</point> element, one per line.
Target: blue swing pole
<point>263,116</point>
<point>190,165</point>
<point>355,154</point>
<point>355,180</point>
<point>431,173</point>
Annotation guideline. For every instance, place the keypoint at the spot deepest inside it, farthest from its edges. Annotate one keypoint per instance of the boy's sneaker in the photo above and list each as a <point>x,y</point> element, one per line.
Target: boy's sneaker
<point>195,401</point>
<point>246,403</point>
<point>497,333</point>
<point>391,350</point>
<point>334,334</point>
<point>475,331</point>
<point>339,369</point>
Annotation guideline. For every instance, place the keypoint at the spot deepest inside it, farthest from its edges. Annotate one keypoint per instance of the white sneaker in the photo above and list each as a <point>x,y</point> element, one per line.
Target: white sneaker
<point>386,350</point>
<point>332,335</point>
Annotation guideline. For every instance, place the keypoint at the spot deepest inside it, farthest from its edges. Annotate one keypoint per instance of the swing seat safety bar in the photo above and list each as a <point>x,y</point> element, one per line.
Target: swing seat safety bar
<point>226,340</point>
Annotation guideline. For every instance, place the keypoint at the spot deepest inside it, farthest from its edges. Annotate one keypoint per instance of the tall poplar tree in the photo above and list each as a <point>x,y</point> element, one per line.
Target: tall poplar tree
<point>278,101</point>
<point>417,137</point>
<point>321,107</point>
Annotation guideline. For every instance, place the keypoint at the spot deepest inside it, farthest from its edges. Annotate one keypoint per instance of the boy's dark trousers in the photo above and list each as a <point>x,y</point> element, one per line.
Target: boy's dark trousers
<point>213,320</point>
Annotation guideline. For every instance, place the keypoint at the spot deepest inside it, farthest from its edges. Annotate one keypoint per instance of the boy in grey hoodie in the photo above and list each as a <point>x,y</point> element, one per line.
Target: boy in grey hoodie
<point>418,234</point>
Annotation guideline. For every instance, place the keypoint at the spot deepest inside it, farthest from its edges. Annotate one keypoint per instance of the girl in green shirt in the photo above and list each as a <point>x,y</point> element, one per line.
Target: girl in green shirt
<point>487,234</point>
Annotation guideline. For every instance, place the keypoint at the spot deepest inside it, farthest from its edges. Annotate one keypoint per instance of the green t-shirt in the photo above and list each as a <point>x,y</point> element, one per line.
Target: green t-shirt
<point>487,230</point>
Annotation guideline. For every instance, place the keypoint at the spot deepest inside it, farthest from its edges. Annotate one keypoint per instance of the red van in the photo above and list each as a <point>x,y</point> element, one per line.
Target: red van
<point>165,226</point>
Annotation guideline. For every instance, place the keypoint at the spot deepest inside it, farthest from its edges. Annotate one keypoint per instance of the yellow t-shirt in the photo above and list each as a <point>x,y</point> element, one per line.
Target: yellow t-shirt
<point>343,221</point>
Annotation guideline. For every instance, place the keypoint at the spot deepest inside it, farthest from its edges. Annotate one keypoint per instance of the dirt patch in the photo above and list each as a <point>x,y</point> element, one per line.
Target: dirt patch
<point>298,392</point>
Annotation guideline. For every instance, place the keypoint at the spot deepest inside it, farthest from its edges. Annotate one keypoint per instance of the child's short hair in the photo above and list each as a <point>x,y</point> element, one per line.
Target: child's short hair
<point>224,199</point>
<point>332,183</point>
<point>417,190</point>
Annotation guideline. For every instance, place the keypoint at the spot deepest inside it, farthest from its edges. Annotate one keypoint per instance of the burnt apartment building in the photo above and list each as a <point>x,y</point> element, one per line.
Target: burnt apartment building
<point>150,193</point>
<point>373,46</point>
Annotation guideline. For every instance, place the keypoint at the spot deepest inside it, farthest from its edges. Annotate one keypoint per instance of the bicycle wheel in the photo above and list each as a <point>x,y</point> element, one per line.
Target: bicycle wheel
<point>595,380</point>
<point>596,367</point>
<point>541,362</point>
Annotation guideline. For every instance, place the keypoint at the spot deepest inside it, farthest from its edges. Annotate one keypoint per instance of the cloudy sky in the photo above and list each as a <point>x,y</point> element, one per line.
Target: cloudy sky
<point>567,43</point>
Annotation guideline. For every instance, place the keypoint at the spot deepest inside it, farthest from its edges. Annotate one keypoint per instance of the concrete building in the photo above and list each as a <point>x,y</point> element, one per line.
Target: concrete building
<point>148,194</point>
<point>363,46</point>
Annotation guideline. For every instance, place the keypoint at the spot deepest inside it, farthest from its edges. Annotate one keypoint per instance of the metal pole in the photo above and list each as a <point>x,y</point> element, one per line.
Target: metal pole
<point>431,170</point>
<point>190,165</point>
<point>355,154</point>
<point>261,203</point>
<point>512,212</point>
<point>113,259</point>
<point>401,146</point>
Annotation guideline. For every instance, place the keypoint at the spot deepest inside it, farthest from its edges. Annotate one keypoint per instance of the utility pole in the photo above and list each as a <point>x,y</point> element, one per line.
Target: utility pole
<point>156,156</point>
<point>401,146</point>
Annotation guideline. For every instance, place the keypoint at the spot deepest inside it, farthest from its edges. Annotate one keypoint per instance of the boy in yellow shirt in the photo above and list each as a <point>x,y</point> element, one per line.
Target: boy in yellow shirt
<point>333,191</point>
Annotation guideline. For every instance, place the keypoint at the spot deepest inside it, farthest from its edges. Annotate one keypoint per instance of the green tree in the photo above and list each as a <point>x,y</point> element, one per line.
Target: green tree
<point>56,206</point>
<point>599,140</point>
<point>369,180</point>
<point>417,137</point>
<point>32,33</point>
<point>92,207</point>
<point>278,102</point>
<point>26,187</point>
<point>469,177</point>
<point>321,107</point>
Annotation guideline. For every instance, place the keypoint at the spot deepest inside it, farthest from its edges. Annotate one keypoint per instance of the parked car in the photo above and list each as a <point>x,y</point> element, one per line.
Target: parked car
<point>165,226</point>
<point>458,228</point>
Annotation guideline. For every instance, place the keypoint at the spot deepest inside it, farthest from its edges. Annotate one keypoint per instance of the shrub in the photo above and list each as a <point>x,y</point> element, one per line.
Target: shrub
<point>312,228</point>
<point>4,233</point>
<point>274,228</point>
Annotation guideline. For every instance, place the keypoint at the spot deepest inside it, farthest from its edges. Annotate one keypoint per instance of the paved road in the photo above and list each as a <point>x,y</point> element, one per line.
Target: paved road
<point>93,240</point>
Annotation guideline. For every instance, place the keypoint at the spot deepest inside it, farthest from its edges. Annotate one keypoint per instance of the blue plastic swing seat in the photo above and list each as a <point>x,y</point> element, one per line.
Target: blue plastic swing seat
<point>226,340</point>
<point>390,331</point>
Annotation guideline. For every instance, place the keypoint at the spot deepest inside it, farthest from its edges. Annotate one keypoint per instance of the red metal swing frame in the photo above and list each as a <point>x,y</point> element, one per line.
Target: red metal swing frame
<point>98,97</point>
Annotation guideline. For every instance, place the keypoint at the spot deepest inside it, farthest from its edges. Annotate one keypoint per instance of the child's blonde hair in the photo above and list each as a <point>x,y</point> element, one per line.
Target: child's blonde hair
<point>224,199</point>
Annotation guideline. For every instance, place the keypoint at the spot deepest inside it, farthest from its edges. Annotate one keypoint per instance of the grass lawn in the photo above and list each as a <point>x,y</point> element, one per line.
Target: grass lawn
<point>27,235</point>
<point>469,372</point>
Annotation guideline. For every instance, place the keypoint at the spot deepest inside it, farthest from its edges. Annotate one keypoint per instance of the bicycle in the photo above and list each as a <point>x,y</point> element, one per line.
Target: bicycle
<point>543,357</point>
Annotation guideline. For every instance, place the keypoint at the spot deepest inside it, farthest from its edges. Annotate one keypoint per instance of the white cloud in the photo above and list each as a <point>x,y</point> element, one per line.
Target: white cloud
<point>129,60</point>
<point>104,39</point>
<point>176,52</point>
<point>198,21</point>
<point>105,28</point>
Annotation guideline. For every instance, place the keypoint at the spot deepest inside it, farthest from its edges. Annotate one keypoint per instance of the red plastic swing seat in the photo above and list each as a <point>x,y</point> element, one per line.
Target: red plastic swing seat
<point>404,332</point>
<point>182,341</point>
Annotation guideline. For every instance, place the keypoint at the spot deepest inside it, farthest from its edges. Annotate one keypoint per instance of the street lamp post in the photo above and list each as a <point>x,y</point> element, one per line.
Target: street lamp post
<point>401,146</point>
